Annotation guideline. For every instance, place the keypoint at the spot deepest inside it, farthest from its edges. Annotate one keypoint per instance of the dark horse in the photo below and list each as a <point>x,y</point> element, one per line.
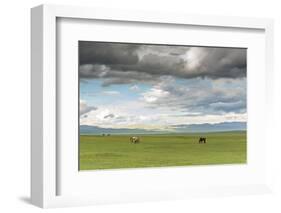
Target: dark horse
<point>202,140</point>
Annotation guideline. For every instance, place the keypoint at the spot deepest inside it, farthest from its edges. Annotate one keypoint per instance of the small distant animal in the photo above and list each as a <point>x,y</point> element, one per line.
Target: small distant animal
<point>202,140</point>
<point>134,139</point>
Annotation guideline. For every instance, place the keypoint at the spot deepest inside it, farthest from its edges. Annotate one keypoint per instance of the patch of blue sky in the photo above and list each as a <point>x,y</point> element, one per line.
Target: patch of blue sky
<point>95,94</point>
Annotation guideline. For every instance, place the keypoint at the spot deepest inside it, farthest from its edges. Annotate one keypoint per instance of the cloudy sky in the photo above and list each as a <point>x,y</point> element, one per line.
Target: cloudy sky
<point>160,86</point>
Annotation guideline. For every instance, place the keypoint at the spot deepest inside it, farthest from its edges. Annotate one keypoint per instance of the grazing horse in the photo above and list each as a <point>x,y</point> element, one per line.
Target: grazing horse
<point>202,140</point>
<point>134,139</point>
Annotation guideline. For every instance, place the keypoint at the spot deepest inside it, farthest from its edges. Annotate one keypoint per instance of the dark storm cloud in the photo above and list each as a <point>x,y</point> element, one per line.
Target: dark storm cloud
<point>107,53</point>
<point>201,97</point>
<point>109,116</point>
<point>110,76</point>
<point>128,63</point>
<point>235,106</point>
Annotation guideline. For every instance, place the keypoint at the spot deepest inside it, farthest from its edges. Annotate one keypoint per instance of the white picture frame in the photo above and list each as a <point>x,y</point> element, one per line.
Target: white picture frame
<point>45,168</point>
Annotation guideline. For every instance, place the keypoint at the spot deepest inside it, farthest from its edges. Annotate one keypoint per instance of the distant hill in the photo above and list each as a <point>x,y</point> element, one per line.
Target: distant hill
<point>84,129</point>
<point>188,128</point>
<point>219,127</point>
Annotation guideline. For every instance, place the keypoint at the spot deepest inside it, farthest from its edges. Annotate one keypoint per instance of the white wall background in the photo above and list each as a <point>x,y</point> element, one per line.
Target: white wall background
<point>15,98</point>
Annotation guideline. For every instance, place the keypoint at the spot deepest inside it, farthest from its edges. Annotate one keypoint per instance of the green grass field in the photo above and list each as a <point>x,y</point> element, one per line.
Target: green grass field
<point>116,151</point>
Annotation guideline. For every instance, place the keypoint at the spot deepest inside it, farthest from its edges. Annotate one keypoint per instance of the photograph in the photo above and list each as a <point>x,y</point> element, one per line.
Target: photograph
<point>161,105</point>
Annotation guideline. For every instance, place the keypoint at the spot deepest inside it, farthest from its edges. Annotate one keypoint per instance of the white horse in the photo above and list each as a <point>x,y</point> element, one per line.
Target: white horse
<point>134,139</point>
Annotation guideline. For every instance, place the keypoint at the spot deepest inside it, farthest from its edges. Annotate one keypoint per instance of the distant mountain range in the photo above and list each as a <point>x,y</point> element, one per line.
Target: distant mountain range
<point>188,128</point>
<point>84,129</point>
<point>219,127</point>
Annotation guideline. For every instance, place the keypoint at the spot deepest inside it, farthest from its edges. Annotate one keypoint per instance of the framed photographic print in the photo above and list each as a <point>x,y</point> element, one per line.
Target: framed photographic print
<point>129,106</point>
<point>166,100</point>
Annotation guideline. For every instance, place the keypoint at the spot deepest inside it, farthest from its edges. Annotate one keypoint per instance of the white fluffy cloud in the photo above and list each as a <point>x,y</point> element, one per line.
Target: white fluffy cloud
<point>111,92</point>
<point>135,88</point>
<point>155,94</point>
<point>134,115</point>
<point>201,96</point>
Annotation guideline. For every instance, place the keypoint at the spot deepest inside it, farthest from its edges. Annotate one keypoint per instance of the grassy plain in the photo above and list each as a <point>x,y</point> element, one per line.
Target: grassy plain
<point>116,151</point>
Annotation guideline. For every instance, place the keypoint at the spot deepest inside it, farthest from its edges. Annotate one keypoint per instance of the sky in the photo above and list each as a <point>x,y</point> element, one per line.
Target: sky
<point>157,87</point>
